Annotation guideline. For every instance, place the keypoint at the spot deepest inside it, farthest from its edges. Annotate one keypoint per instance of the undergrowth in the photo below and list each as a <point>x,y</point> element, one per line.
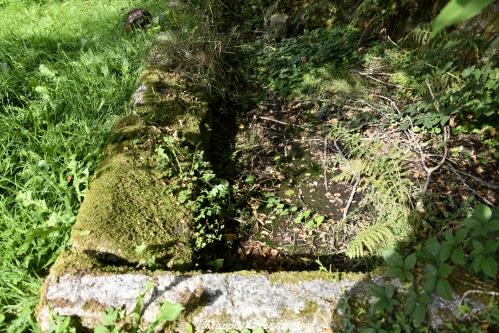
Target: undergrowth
<point>67,70</point>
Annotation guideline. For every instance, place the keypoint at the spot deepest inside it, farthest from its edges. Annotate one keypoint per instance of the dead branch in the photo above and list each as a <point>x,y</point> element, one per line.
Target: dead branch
<point>476,291</point>
<point>494,186</point>
<point>471,189</point>
<point>325,163</point>
<point>430,170</point>
<point>275,121</point>
<point>350,199</point>
<point>377,80</point>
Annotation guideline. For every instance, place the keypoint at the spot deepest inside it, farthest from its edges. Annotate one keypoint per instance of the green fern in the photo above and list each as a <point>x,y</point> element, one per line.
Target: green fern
<point>372,238</point>
<point>386,187</point>
<point>419,36</point>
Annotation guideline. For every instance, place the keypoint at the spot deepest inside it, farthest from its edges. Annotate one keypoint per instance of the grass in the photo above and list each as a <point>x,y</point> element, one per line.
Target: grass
<point>67,71</point>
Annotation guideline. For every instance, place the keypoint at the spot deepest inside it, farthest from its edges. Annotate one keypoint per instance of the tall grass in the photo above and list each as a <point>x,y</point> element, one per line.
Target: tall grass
<point>67,70</point>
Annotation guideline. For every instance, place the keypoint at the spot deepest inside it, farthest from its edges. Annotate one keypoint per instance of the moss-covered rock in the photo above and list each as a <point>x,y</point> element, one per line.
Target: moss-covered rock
<point>130,215</point>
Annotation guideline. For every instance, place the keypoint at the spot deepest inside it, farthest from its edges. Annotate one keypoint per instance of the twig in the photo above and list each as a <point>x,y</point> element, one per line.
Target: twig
<point>391,40</point>
<point>429,88</point>
<point>275,121</point>
<point>365,30</point>
<point>352,194</point>
<point>377,73</point>
<point>471,189</point>
<point>481,292</point>
<point>325,163</point>
<point>493,186</point>
<point>429,171</point>
<point>383,82</point>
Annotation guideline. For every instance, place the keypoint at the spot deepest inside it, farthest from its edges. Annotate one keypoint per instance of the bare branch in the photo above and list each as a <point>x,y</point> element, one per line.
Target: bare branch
<point>352,194</point>
<point>494,186</point>
<point>275,121</point>
<point>476,291</point>
<point>383,82</point>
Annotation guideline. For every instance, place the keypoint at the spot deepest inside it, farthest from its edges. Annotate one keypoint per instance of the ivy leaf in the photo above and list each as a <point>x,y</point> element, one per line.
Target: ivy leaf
<point>444,289</point>
<point>491,246</point>
<point>394,272</point>
<point>410,262</point>
<point>477,246</point>
<point>377,291</point>
<point>389,291</point>
<point>430,270</point>
<point>493,225</point>
<point>449,237</point>
<point>419,314</point>
<point>169,312</point>
<point>477,263</point>
<point>432,246</point>
<point>489,267</point>
<point>393,259</point>
<point>458,256</point>
<point>445,269</point>
<point>457,11</point>
<point>445,251</point>
<point>461,235</point>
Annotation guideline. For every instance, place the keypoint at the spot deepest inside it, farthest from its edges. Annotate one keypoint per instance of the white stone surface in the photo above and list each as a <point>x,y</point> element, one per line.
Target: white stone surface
<point>219,301</point>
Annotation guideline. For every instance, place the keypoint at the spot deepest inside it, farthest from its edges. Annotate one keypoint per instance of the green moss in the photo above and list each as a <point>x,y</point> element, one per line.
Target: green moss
<point>73,262</point>
<point>310,309</point>
<point>94,306</point>
<point>297,277</point>
<point>126,208</point>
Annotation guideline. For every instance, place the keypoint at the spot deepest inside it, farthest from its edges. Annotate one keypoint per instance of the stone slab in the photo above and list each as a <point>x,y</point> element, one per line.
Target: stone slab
<point>301,302</point>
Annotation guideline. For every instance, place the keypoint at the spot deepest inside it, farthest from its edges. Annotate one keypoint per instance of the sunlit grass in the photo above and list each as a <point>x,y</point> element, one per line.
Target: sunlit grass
<point>67,70</point>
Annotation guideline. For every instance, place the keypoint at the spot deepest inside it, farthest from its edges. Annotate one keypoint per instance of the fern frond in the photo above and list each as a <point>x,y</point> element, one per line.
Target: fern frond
<point>420,35</point>
<point>371,238</point>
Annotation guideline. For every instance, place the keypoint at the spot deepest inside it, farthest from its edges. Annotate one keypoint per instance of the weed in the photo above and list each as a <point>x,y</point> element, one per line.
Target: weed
<point>195,184</point>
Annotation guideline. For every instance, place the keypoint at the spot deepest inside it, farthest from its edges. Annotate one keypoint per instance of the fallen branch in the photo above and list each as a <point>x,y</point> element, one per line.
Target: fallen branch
<point>350,199</point>
<point>481,292</point>
<point>276,121</point>
<point>471,189</point>
<point>430,171</point>
<point>494,186</point>
<point>383,82</point>
<point>325,163</point>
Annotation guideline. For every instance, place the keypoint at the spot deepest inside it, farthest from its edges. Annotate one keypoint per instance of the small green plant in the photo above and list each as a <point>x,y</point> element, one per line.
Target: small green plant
<point>192,179</point>
<point>474,246</point>
<point>297,66</point>
<point>277,207</point>
<point>472,98</point>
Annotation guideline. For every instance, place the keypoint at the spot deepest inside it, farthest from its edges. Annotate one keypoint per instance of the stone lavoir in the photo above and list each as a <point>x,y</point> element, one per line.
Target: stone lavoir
<point>129,216</point>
